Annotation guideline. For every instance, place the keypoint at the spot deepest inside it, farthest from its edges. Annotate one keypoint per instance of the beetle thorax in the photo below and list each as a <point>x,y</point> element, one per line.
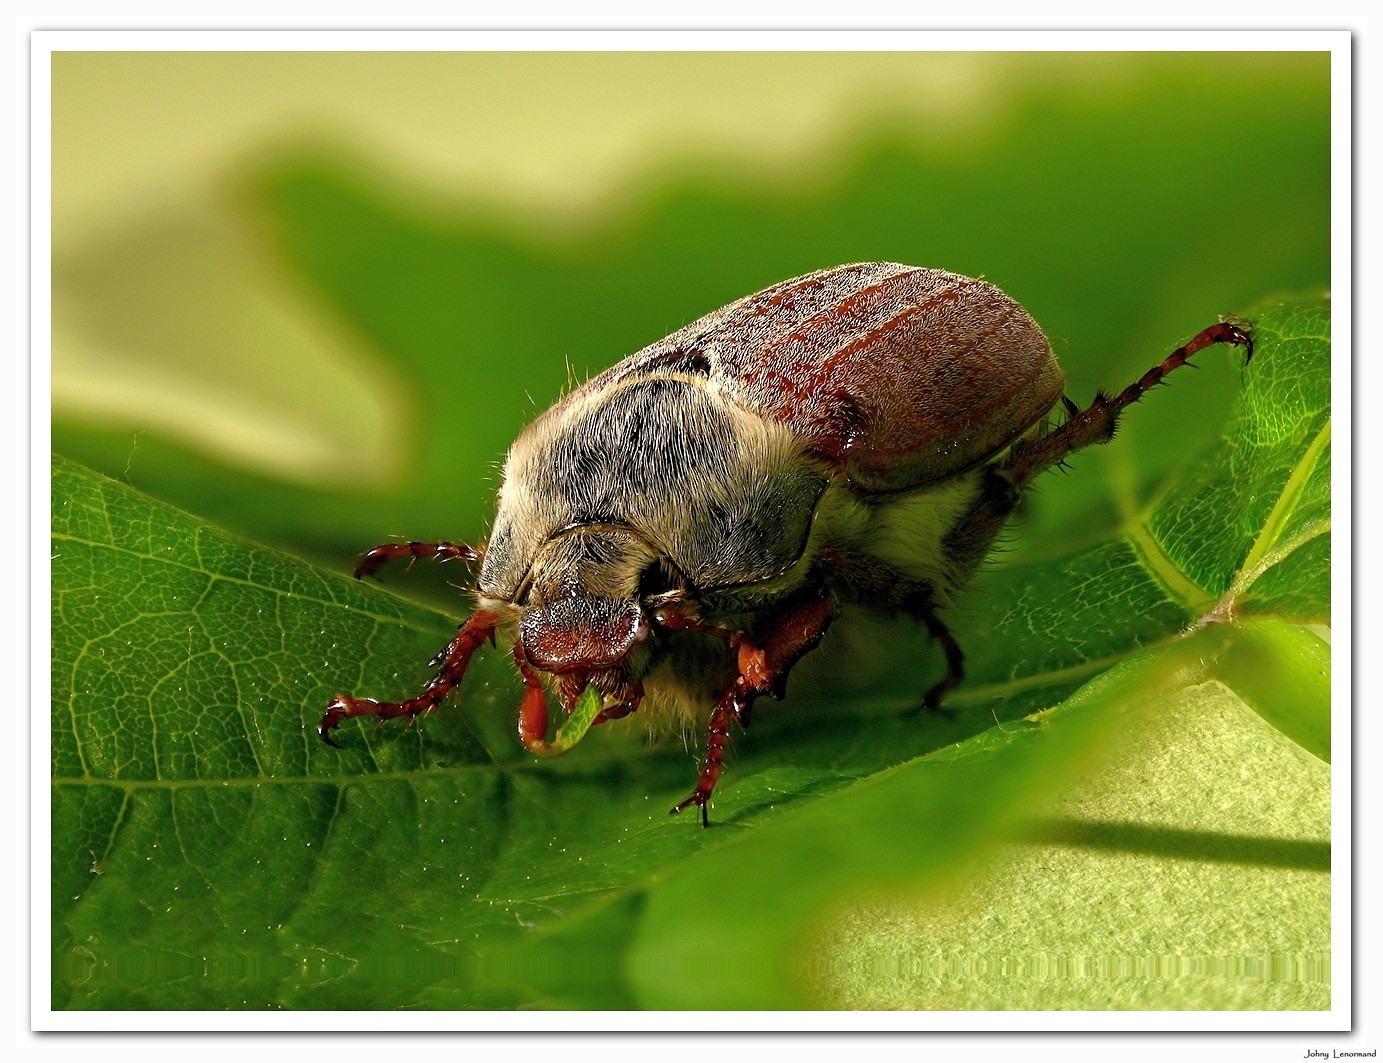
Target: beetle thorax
<point>589,561</point>
<point>721,496</point>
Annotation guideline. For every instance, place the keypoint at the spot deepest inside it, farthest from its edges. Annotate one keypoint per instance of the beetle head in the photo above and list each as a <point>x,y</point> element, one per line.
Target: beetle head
<point>582,610</point>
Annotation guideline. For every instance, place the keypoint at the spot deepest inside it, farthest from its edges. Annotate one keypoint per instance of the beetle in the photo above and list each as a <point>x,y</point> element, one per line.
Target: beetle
<point>681,529</point>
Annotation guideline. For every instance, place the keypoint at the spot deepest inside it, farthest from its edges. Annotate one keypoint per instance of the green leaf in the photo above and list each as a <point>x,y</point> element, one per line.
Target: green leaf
<point>1242,523</point>
<point>1190,871</point>
<point>971,803</point>
<point>1283,673</point>
<point>210,852</point>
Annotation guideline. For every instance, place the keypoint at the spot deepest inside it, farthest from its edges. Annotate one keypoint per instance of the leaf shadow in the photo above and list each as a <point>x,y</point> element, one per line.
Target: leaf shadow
<point>1176,843</point>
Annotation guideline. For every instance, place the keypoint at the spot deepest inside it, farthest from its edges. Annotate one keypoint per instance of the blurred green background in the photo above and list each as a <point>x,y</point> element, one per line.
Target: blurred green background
<point>311,298</point>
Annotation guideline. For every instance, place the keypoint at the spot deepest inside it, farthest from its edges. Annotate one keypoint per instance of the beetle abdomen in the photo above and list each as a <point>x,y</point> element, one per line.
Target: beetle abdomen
<point>894,375</point>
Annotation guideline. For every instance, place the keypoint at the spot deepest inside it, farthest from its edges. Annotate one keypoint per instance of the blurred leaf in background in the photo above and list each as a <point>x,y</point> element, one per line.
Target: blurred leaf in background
<point>325,345</point>
<point>376,334</point>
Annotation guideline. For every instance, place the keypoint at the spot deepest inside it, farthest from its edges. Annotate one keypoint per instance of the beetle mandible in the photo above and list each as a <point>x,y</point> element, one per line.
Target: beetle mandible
<point>678,531</point>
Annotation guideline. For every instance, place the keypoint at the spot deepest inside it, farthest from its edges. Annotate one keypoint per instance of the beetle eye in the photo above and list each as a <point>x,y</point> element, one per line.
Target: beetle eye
<point>658,577</point>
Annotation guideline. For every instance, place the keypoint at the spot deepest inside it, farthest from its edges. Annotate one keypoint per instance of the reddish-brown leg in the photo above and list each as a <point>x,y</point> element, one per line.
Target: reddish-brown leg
<point>374,559</point>
<point>676,617</point>
<point>454,660</point>
<point>533,707</point>
<point>1095,424</point>
<point>762,670</point>
<point>623,708</point>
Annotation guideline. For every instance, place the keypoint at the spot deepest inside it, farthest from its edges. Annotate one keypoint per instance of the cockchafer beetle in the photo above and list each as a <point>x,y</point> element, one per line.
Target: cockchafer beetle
<point>678,531</point>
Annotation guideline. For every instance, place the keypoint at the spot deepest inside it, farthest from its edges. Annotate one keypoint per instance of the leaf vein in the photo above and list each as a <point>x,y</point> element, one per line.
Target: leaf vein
<point>1286,501</point>
<point>1175,582</point>
<point>295,593</point>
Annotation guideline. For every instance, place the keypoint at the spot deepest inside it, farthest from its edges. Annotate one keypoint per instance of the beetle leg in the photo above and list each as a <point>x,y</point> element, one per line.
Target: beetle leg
<point>374,559</point>
<point>533,707</point>
<point>454,661</point>
<point>762,670</point>
<point>677,616</point>
<point>955,660</point>
<point>623,709</point>
<point>1096,423</point>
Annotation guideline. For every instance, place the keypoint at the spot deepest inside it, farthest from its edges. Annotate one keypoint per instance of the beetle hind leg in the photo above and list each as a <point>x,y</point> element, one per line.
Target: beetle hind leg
<point>955,662</point>
<point>1096,423</point>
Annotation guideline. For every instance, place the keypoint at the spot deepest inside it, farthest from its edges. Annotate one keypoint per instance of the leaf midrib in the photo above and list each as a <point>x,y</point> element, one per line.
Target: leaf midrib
<point>1266,552</point>
<point>1271,533</point>
<point>296,594</point>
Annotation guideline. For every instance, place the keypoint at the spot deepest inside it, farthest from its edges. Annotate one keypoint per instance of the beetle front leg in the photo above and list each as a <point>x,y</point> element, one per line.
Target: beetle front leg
<point>376,557</point>
<point>532,708</point>
<point>453,663</point>
<point>1096,423</point>
<point>762,670</point>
